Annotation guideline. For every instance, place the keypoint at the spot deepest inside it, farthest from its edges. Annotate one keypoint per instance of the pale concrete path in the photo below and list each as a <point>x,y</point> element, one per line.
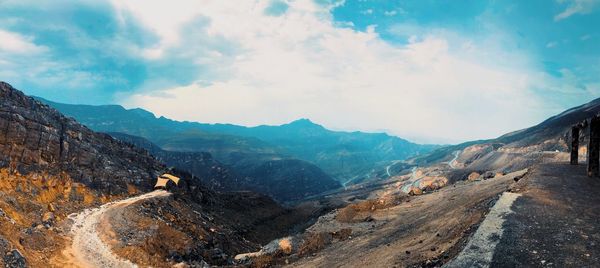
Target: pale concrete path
<point>479,251</point>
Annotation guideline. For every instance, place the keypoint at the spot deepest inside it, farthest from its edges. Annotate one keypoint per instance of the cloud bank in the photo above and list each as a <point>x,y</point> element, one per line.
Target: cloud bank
<point>443,76</point>
<point>300,64</point>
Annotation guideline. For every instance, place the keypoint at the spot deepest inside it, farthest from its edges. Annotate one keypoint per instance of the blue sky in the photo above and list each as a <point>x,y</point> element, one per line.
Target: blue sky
<point>430,71</point>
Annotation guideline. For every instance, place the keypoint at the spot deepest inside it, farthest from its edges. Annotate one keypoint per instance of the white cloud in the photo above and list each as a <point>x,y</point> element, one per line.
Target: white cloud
<point>576,7</point>
<point>440,87</point>
<point>16,43</point>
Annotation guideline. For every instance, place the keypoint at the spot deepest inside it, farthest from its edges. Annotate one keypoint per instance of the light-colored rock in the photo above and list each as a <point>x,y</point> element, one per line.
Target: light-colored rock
<point>473,176</point>
<point>48,217</point>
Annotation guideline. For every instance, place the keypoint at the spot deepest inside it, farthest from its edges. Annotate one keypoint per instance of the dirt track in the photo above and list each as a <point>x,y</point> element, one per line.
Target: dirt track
<point>87,248</point>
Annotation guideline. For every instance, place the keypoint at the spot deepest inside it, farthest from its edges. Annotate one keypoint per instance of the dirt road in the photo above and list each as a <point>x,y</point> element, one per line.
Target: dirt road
<point>451,162</point>
<point>87,248</point>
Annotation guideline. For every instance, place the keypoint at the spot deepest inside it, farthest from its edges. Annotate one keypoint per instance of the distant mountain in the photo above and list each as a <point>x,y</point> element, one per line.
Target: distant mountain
<point>283,179</point>
<point>344,155</point>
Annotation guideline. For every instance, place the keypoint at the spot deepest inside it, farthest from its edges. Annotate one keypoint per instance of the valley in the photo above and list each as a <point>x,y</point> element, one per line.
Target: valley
<point>299,133</point>
<point>343,156</point>
<point>456,206</point>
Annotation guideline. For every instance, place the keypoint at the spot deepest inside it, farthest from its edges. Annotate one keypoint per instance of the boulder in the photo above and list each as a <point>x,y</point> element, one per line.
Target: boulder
<point>473,176</point>
<point>14,259</point>
<point>415,191</point>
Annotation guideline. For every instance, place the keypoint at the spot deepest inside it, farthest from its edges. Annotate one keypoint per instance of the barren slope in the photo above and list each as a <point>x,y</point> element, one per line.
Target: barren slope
<point>427,229</point>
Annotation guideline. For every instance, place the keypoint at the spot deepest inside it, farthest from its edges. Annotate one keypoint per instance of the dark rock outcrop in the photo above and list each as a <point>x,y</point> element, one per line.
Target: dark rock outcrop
<point>34,137</point>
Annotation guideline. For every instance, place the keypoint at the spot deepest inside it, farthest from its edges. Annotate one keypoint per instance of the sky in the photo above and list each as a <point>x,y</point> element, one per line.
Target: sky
<point>429,71</point>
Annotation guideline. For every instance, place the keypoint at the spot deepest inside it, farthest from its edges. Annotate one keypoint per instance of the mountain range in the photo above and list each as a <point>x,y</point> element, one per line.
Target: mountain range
<point>301,150</point>
<point>57,173</point>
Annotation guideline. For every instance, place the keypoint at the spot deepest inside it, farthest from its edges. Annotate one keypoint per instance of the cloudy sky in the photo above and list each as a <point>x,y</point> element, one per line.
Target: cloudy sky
<point>429,71</point>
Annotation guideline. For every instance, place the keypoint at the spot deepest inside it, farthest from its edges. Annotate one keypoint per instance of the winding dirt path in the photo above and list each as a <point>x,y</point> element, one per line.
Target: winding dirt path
<point>451,162</point>
<point>87,248</point>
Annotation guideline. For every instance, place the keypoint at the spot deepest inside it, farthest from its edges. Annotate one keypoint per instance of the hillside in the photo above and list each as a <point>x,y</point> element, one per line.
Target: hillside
<point>551,134</point>
<point>51,166</point>
<point>514,201</point>
<point>283,179</point>
<point>343,155</point>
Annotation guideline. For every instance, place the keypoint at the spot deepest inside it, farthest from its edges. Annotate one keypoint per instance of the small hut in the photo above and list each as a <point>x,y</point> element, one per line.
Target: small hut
<point>163,181</point>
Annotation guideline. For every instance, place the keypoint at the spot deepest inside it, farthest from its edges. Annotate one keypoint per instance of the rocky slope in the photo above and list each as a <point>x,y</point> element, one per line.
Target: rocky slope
<point>36,137</point>
<point>518,149</point>
<point>285,180</point>
<point>52,166</point>
<point>528,169</point>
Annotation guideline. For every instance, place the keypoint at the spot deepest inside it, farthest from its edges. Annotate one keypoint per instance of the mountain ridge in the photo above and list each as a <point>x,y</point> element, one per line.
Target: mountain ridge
<point>344,155</point>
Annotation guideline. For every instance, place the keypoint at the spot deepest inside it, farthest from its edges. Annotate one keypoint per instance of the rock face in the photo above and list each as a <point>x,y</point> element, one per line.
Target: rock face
<point>34,136</point>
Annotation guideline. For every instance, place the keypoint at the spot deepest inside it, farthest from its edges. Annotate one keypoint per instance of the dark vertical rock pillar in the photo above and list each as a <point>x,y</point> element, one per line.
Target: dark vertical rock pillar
<point>575,145</point>
<point>593,167</point>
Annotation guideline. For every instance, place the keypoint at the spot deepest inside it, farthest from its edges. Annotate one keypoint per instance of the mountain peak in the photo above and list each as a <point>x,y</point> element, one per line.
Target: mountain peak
<point>303,122</point>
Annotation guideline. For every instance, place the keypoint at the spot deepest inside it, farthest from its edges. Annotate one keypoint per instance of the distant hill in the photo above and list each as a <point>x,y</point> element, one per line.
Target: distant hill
<point>343,155</point>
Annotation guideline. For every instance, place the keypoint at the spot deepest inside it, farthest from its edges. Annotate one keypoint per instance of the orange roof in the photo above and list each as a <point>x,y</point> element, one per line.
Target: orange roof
<point>171,177</point>
<point>160,182</point>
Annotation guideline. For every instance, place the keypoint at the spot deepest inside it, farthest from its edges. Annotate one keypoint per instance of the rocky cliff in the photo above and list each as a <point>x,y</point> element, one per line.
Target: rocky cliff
<point>35,137</point>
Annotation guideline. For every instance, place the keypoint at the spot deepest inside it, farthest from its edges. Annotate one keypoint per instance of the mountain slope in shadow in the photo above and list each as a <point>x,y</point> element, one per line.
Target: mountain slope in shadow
<point>283,179</point>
